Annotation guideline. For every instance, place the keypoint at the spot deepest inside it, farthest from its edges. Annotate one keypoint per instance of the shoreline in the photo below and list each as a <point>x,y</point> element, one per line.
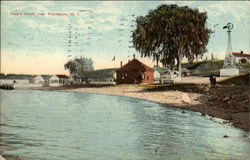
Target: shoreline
<point>203,100</point>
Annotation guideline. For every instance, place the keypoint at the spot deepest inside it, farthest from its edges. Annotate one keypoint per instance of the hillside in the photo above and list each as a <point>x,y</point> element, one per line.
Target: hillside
<point>201,68</point>
<point>237,80</point>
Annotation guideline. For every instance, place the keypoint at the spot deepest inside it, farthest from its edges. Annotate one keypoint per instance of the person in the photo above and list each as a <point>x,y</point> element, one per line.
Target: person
<point>212,79</point>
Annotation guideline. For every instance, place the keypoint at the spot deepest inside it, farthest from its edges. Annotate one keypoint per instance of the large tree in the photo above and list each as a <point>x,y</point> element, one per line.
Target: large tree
<point>78,66</point>
<point>171,33</point>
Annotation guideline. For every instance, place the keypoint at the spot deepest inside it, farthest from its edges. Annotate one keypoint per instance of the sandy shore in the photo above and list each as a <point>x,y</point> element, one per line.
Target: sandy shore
<point>175,98</point>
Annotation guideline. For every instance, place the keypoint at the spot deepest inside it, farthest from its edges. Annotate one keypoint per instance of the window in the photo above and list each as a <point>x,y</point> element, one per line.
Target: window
<point>143,76</point>
<point>147,77</point>
<point>243,60</point>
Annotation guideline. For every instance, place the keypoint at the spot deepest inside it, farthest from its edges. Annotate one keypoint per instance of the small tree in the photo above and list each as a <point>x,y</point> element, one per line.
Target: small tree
<point>171,33</point>
<point>78,66</point>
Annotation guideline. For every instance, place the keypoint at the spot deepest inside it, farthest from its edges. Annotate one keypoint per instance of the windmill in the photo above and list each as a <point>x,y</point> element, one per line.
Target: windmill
<point>229,67</point>
<point>229,62</point>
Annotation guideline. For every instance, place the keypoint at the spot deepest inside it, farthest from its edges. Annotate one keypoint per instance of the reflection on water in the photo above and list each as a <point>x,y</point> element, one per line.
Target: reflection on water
<point>64,125</point>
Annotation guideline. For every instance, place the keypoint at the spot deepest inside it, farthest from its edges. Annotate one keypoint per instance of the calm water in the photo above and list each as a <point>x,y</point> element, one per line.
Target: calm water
<point>81,126</point>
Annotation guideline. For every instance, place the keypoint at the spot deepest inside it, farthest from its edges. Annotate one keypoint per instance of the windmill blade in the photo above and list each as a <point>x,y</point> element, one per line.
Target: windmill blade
<point>216,25</point>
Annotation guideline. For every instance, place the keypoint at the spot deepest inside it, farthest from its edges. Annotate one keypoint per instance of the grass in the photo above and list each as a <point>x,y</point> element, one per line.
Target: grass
<point>237,80</point>
<point>184,87</point>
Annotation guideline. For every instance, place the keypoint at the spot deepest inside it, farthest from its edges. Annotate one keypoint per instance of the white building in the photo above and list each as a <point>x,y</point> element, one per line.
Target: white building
<point>39,79</point>
<point>241,57</point>
<point>54,80</point>
<point>63,79</point>
<point>160,73</point>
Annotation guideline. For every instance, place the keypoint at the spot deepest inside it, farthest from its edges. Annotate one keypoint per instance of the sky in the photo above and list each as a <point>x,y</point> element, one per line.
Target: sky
<point>40,37</point>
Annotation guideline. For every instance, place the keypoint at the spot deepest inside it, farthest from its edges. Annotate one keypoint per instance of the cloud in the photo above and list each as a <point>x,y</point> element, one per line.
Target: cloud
<point>238,10</point>
<point>35,25</point>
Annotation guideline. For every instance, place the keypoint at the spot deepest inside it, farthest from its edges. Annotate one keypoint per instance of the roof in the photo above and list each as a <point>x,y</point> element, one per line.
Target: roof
<point>162,70</point>
<point>241,54</point>
<point>99,73</point>
<point>135,65</point>
<point>62,76</point>
<point>54,77</point>
<point>14,76</point>
<point>46,76</point>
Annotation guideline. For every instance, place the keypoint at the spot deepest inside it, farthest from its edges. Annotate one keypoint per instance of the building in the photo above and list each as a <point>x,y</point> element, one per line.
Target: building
<point>54,79</point>
<point>135,72</point>
<point>159,73</point>
<point>104,76</point>
<point>63,79</point>
<point>38,79</point>
<point>241,57</point>
<point>14,78</point>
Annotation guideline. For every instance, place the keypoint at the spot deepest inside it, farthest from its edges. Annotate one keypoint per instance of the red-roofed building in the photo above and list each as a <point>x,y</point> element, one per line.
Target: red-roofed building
<point>241,57</point>
<point>63,79</point>
<point>135,72</point>
<point>62,76</point>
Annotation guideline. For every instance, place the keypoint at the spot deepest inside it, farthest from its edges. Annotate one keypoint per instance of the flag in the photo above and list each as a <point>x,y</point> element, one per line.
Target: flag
<point>113,58</point>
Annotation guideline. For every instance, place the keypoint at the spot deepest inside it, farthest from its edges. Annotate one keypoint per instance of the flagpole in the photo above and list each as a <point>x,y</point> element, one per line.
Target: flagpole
<point>114,61</point>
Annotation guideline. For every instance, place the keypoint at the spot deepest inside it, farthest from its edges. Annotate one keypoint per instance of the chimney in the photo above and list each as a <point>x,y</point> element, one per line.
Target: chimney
<point>121,64</point>
<point>134,56</point>
<point>241,52</point>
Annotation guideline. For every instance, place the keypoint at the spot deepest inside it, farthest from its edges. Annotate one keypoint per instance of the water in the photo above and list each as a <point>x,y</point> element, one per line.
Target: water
<point>51,125</point>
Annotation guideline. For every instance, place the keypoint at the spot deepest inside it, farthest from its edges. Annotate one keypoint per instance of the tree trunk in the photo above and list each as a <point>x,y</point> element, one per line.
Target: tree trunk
<point>157,60</point>
<point>179,58</point>
<point>172,63</point>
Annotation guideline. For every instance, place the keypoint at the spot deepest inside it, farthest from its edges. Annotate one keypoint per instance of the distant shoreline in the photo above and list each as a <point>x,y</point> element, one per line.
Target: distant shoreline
<point>195,97</point>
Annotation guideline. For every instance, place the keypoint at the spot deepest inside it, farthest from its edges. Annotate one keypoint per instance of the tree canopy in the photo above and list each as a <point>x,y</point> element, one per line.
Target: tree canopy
<point>171,33</point>
<point>78,66</point>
